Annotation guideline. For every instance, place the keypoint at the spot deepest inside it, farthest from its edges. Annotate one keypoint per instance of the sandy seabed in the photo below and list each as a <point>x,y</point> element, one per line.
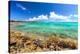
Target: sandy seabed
<point>21,42</point>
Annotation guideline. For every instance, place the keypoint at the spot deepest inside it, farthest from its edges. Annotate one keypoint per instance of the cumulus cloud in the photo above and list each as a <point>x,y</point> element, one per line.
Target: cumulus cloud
<point>55,18</point>
<point>41,17</point>
<point>62,18</point>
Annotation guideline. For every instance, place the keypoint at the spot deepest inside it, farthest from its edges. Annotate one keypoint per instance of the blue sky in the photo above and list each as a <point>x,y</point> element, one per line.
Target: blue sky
<point>34,11</point>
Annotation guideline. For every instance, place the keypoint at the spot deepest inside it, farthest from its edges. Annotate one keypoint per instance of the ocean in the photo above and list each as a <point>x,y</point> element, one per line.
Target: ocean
<point>62,29</point>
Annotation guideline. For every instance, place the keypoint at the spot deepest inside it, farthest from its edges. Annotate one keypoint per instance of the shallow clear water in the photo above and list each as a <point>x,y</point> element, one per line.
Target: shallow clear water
<point>68,29</point>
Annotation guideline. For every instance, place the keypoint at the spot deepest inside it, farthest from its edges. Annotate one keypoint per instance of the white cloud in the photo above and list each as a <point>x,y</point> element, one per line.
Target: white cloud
<point>74,15</point>
<point>41,17</point>
<point>55,18</point>
<point>20,6</point>
<point>62,18</point>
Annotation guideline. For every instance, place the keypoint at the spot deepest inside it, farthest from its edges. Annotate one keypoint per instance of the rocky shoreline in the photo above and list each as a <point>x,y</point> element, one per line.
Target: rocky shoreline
<point>27,42</point>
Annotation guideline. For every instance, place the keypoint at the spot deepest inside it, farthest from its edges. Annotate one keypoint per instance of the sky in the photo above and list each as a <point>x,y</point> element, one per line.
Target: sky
<point>36,11</point>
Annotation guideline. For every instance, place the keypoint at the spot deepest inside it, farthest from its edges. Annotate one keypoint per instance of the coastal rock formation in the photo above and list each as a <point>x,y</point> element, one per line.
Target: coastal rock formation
<point>22,43</point>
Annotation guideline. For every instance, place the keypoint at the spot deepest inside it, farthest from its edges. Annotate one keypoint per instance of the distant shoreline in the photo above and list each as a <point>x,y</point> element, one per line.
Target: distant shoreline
<point>30,21</point>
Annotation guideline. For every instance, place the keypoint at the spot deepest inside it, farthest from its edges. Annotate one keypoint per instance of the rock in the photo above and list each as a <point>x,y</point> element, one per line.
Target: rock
<point>13,41</point>
<point>20,43</point>
<point>30,43</point>
<point>33,47</point>
<point>38,43</point>
<point>25,50</point>
<point>57,48</point>
<point>38,49</point>
<point>72,45</point>
<point>45,49</point>
<point>63,44</point>
<point>27,43</point>
<point>51,47</point>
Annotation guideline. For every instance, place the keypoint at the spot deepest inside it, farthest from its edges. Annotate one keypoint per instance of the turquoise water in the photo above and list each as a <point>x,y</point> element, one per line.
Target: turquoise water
<point>68,29</point>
